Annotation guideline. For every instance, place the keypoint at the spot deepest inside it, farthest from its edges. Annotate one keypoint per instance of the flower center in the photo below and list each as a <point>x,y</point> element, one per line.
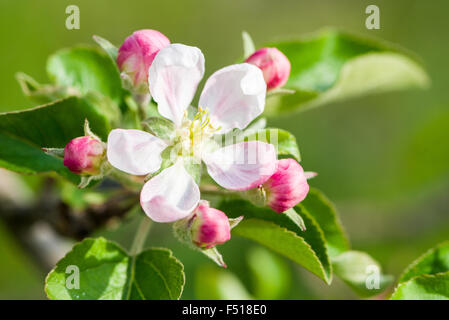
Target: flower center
<point>192,134</point>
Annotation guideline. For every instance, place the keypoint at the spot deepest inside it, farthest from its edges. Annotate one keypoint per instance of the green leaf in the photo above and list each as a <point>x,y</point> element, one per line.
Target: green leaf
<point>361,272</point>
<point>55,124</point>
<point>427,278</point>
<point>279,233</point>
<point>106,271</point>
<point>436,260</point>
<point>86,69</point>
<point>424,287</point>
<point>24,157</point>
<point>157,275</point>
<point>333,66</point>
<point>212,283</point>
<point>108,47</point>
<point>24,133</point>
<point>326,215</point>
<point>284,141</point>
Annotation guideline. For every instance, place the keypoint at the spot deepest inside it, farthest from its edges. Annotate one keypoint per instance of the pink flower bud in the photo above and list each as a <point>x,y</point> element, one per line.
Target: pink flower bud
<point>84,155</point>
<point>287,186</point>
<point>137,53</point>
<point>274,65</point>
<point>210,226</point>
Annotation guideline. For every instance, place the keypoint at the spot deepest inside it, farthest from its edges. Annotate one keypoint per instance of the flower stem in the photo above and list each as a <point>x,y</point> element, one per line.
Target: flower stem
<point>141,236</point>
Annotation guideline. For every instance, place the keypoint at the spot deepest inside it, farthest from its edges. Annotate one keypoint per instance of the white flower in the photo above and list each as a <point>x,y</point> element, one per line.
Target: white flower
<point>232,97</point>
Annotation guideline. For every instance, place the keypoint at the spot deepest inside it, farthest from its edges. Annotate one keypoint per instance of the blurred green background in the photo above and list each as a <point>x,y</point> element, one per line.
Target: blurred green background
<point>383,160</point>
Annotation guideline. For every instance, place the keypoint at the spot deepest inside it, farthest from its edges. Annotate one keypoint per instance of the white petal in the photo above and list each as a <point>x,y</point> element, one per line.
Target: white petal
<point>234,95</point>
<point>173,78</point>
<point>242,166</point>
<point>171,195</point>
<point>134,151</point>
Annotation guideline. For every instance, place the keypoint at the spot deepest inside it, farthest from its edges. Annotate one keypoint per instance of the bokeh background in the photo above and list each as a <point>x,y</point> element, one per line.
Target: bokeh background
<point>383,160</point>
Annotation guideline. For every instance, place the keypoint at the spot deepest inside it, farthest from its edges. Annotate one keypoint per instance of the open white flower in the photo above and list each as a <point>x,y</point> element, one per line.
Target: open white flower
<point>232,97</point>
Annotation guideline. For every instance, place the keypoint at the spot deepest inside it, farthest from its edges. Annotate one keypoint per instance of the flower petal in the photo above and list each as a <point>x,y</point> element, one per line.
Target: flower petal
<point>234,95</point>
<point>173,78</point>
<point>134,151</point>
<point>242,166</point>
<point>171,195</point>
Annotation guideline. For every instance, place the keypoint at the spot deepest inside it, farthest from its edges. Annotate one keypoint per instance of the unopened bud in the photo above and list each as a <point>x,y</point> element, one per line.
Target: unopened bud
<point>84,155</point>
<point>137,53</point>
<point>209,226</point>
<point>274,65</point>
<point>286,187</point>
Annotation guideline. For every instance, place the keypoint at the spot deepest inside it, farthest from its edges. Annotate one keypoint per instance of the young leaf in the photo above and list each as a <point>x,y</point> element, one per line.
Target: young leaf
<point>279,233</point>
<point>333,66</point>
<point>97,269</point>
<point>108,47</point>
<point>361,272</point>
<point>40,93</point>
<point>86,69</point>
<point>424,287</point>
<point>284,141</point>
<point>214,255</point>
<point>248,45</point>
<point>326,215</point>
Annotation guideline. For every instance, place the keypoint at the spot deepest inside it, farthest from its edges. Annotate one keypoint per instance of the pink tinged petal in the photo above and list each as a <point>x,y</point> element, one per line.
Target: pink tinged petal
<point>234,95</point>
<point>274,65</point>
<point>134,151</point>
<point>171,195</point>
<point>173,79</point>
<point>137,53</point>
<point>242,166</point>
<point>287,186</point>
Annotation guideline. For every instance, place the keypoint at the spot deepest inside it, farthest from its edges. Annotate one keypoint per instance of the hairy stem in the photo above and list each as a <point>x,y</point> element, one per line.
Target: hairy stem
<point>141,236</point>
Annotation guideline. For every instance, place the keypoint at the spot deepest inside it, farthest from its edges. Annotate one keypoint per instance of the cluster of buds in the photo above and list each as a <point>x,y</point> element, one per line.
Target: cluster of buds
<point>204,227</point>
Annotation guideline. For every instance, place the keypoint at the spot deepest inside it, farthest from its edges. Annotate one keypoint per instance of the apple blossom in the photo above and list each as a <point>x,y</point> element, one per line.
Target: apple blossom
<point>274,65</point>
<point>232,97</point>
<point>137,53</point>
<point>84,155</point>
